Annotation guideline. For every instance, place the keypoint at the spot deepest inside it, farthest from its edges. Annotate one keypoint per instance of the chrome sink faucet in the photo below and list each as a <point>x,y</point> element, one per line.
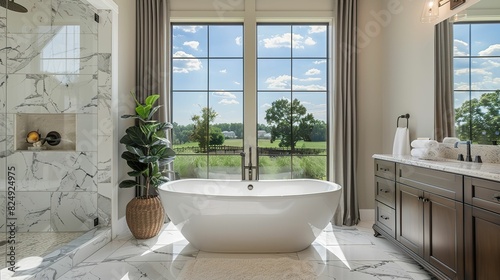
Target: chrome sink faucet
<point>468,143</point>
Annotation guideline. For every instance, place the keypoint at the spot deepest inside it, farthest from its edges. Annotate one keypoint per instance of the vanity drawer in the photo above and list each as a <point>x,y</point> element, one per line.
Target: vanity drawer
<point>434,181</point>
<point>385,191</point>
<point>385,169</point>
<point>482,193</point>
<point>385,217</point>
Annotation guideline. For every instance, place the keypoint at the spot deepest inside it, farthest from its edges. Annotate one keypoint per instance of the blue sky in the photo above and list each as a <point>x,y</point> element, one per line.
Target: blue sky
<point>306,73</point>
<point>482,41</point>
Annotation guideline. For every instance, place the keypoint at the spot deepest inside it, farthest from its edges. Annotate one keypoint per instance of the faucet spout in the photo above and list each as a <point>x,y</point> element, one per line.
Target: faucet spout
<point>468,143</point>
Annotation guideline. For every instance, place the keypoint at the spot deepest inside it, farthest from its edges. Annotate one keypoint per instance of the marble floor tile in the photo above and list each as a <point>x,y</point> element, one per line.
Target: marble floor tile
<point>338,253</point>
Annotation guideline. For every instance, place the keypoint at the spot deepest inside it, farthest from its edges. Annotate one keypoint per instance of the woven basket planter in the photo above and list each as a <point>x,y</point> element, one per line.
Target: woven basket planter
<point>145,216</point>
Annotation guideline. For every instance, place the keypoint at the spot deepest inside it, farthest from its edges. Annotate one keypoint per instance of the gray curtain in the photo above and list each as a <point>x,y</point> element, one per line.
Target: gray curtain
<point>345,140</point>
<point>444,114</point>
<point>152,76</point>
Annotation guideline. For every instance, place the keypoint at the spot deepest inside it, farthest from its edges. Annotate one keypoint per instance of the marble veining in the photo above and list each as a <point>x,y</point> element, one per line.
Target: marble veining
<point>490,171</point>
<point>357,255</point>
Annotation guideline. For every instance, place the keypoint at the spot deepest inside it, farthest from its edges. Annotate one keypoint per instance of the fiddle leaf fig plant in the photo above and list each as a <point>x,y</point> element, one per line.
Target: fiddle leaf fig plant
<point>148,150</point>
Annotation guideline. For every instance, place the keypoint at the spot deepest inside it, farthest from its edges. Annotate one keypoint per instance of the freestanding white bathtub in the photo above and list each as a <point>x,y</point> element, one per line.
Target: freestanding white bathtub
<point>250,216</point>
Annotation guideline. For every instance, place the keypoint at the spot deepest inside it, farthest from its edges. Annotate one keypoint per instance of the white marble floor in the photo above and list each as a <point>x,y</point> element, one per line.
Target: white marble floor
<point>338,253</point>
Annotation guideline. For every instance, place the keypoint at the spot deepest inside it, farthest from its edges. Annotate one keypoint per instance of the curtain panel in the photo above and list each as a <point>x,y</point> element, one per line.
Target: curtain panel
<point>152,37</point>
<point>444,113</point>
<point>345,140</point>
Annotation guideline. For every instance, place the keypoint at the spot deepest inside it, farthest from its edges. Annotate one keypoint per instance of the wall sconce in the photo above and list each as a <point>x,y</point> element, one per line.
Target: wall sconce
<point>430,11</point>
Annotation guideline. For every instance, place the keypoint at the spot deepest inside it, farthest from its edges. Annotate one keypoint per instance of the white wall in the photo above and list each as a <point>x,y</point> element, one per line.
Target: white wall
<point>396,76</point>
<point>126,83</point>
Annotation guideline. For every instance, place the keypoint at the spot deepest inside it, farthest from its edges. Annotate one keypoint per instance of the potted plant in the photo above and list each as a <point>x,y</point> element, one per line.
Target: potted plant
<point>148,153</point>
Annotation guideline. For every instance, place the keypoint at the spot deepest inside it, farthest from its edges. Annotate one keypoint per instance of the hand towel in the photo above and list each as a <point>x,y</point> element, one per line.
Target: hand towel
<point>401,145</point>
<point>424,144</point>
<point>450,140</point>
<point>424,153</point>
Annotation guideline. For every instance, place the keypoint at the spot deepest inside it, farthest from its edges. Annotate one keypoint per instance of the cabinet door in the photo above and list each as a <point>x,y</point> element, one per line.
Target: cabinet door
<point>443,235</point>
<point>410,218</point>
<point>482,246</point>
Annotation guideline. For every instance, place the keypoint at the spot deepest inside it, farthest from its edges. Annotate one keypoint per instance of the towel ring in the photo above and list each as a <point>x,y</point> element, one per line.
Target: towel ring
<point>405,116</point>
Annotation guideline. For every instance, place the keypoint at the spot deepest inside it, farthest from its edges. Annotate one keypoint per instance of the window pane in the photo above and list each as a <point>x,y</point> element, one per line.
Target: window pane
<point>461,46</point>
<point>226,74</point>
<point>485,73</point>
<point>191,166</point>
<point>189,74</point>
<point>308,74</point>
<point>189,41</point>
<point>313,167</point>
<point>484,120</point>
<point>273,166</point>
<point>461,73</point>
<point>226,40</point>
<point>485,39</point>
<point>309,41</point>
<point>274,74</point>
<point>462,114</point>
<point>185,105</point>
<point>225,167</point>
<point>274,40</point>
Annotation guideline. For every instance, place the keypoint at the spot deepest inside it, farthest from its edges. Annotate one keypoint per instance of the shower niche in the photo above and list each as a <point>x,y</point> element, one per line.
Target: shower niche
<point>45,132</point>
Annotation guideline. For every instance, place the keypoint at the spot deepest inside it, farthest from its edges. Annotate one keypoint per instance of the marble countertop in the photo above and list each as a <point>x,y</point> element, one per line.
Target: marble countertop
<point>489,171</point>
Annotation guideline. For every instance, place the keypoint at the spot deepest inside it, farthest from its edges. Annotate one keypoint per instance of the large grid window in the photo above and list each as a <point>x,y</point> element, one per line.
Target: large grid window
<point>477,81</point>
<point>289,122</point>
<point>207,99</point>
<point>292,88</point>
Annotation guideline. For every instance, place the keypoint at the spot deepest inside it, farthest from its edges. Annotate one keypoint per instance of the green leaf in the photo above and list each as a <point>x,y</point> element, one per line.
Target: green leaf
<point>130,116</point>
<point>128,156</point>
<point>128,184</point>
<point>157,150</point>
<point>148,159</point>
<point>137,136</point>
<point>137,166</point>
<point>143,111</point>
<point>134,173</point>
<point>135,151</point>
<point>153,111</point>
<point>150,100</point>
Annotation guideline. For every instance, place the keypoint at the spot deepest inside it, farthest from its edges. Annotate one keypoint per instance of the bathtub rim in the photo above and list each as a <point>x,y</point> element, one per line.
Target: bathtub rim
<point>335,187</point>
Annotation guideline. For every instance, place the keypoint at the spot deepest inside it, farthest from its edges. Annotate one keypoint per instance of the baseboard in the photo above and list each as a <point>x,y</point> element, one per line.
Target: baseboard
<point>367,215</point>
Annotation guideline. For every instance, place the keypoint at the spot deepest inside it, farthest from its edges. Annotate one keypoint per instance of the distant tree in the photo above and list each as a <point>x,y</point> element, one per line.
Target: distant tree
<point>216,136</point>
<point>203,131</point>
<point>318,132</point>
<point>289,122</point>
<point>479,117</point>
<point>181,133</point>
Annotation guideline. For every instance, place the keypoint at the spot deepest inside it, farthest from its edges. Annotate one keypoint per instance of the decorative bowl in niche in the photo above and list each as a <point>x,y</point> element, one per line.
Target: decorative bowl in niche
<point>52,132</point>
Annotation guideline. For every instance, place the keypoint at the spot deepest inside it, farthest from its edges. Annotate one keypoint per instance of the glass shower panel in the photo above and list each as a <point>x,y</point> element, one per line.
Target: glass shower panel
<point>48,123</point>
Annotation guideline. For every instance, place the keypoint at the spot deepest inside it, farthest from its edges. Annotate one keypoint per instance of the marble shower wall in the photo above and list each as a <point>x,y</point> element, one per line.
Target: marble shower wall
<point>56,59</point>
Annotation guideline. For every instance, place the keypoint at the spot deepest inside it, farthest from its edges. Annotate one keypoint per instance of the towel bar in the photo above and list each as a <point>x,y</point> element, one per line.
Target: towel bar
<point>405,116</point>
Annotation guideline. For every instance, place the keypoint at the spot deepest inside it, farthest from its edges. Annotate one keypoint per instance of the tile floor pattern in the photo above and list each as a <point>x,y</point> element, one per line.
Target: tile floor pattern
<point>338,253</point>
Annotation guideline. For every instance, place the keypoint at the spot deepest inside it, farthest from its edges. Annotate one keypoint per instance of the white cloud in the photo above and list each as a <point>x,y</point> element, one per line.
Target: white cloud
<point>319,61</point>
<point>193,44</point>
<point>223,94</point>
<point>317,29</point>
<point>460,48</point>
<point>238,40</point>
<point>478,71</point>
<point>189,65</point>
<point>266,105</point>
<point>310,79</point>
<point>491,50</point>
<point>313,71</point>
<point>223,71</point>
<point>228,102</point>
<point>280,82</point>
<point>285,41</point>
<point>188,28</point>
<point>237,83</point>
<point>308,87</point>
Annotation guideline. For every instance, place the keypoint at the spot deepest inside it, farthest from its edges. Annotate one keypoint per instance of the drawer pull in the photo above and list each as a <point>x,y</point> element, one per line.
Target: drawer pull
<point>420,198</point>
<point>384,191</point>
<point>384,169</point>
<point>497,198</point>
<point>425,200</point>
<point>384,217</point>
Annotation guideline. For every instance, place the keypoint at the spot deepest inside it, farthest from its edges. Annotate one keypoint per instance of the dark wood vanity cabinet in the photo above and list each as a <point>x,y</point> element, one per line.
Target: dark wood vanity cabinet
<point>482,228</point>
<point>385,197</point>
<point>429,213</point>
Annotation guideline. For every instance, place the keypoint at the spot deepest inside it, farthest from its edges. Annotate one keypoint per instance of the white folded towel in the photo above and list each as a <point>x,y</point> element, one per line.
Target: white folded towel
<point>424,144</point>
<point>425,153</point>
<point>401,145</point>
<point>450,140</point>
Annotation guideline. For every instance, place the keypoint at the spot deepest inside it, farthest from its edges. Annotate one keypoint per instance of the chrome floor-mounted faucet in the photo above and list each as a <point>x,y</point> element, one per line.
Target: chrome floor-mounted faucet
<point>244,167</point>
